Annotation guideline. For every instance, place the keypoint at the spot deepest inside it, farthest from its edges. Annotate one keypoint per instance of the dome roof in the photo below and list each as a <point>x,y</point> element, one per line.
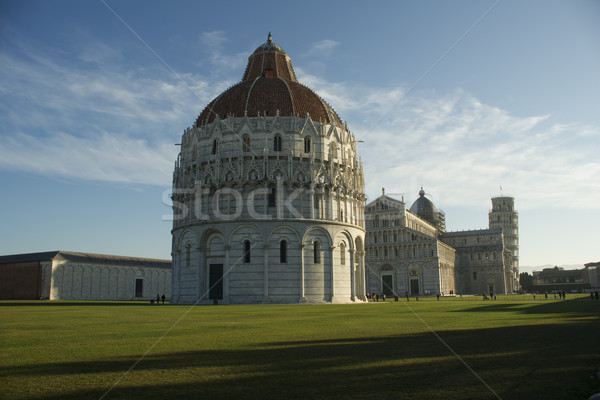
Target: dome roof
<point>269,87</point>
<point>423,206</point>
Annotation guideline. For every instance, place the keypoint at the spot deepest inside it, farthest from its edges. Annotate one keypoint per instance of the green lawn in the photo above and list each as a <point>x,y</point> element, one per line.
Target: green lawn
<point>512,348</point>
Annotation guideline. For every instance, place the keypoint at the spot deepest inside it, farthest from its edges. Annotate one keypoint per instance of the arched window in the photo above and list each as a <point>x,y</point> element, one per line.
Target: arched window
<point>283,251</point>
<point>272,198</point>
<point>474,275</point>
<point>246,251</point>
<point>342,253</point>
<point>188,254</point>
<point>334,150</point>
<point>246,143</point>
<point>214,148</point>
<point>307,144</point>
<point>277,143</point>
<point>316,252</point>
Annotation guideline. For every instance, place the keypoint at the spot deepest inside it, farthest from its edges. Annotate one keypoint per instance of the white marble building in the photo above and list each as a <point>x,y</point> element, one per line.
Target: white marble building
<point>404,252</point>
<point>68,275</point>
<point>410,252</point>
<point>268,196</point>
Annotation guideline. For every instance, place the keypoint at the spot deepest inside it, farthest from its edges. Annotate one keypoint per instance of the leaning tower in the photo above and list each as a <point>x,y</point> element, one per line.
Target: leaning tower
<point>503,215</point>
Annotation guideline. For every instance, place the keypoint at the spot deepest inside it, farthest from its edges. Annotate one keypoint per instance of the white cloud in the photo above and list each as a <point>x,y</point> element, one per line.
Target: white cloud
<point>93,119</point>
<point>463,149</point>
<point>213,38</point>
<point>96,119</point>
<point>213,41</point>
<point>105,157</point>
<point>322,48</point>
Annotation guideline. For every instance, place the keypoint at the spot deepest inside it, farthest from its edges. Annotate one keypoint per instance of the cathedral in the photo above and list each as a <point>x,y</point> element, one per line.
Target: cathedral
<point>268,196</point>
<point>409,251</point>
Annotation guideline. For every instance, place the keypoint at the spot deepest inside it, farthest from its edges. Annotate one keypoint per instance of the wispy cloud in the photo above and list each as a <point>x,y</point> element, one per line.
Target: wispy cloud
<point>218,57</point>
<point>105,157</point>
<point>86,116</point>
<point>91,117</point>
<point>463,149</point>
<point>322,48</point>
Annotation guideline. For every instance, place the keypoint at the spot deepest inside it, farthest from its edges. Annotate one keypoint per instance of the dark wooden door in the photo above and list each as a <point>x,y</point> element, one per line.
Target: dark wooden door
<point>215,282</point>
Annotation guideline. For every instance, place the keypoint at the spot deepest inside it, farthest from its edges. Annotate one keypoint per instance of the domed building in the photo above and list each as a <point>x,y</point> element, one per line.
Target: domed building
<point>268,196</point>
<point>424,208</point>
<point>409,251</point>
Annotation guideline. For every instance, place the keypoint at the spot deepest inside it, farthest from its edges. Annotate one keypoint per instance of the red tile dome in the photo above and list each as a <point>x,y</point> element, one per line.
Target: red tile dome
<point>269,86</point>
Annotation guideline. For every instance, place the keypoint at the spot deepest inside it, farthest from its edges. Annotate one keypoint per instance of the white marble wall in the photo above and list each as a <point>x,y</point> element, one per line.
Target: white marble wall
<point>93,281</point>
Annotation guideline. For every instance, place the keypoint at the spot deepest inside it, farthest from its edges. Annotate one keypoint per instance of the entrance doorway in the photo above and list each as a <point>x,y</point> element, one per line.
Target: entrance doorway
<point>215,282</point>
<point>387,283</point>
<point>139,287</point>
<point>414,287</point>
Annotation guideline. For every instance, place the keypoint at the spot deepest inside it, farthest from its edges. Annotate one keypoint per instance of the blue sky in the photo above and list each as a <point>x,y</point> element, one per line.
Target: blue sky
<point>459,97</point>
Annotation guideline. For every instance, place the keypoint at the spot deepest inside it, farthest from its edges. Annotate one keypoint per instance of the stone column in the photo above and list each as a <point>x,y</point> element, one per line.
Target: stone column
<point>312,201</point>
<point>174,277</point>
<point>265,299</point>
<point>360,276</point>
<point>331,269</point>
<point>352,276</point>
<point>302,296</point>
<point>201,274</point>
<point>226,276</point>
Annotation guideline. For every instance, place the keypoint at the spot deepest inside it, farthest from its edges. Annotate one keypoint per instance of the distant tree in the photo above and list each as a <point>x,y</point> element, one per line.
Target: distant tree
<point>526,282</point>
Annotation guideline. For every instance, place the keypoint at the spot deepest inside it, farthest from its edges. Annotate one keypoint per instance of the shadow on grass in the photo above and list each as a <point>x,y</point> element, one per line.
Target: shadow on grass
<point>533,362</point>
<point>575,307</point>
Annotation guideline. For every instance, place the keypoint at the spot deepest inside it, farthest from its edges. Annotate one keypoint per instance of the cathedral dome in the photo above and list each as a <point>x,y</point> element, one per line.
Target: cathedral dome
<point>423,205</point>
<point>269,87</point>
<point>426,210</point>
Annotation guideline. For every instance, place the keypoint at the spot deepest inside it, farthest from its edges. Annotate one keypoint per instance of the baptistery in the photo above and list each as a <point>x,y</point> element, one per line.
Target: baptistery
<point>268,196</point>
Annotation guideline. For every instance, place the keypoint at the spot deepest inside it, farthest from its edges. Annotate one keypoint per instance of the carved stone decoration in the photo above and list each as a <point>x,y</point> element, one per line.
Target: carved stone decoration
<point>267,214</point>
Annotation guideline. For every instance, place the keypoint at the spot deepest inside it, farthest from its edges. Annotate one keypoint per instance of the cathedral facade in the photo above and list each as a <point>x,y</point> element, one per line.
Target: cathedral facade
<point>409,251</point>
<point>268,196</point>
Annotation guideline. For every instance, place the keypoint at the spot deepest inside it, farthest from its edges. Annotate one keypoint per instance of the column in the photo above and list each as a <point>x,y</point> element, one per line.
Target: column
<point>302,297</point>
<point>312,202</point>
<point>331,269</point>
<point>352,276</point>
<point>226,276</point>
<point>265,299</point>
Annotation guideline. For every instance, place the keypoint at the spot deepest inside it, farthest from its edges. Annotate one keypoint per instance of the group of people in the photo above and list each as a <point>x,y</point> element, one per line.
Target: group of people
<point>159,298</point>
<point>594,295</point>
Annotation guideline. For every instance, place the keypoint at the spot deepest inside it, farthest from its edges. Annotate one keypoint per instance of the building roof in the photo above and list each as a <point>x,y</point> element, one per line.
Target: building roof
<point>61,255</point>
<point>473,232</point>
<point>423,205</point>
<point>269,87</point>
<point>480,249</point>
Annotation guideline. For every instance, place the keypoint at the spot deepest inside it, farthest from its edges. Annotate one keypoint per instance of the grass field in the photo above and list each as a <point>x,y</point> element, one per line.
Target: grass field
<point>514,348</point>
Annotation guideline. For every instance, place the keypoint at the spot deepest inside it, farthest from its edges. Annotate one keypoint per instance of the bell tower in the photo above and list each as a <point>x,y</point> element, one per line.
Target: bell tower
<point>503,215</point>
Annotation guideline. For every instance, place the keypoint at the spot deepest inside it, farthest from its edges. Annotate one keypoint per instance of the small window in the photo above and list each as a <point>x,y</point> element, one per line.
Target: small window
<point>474,275</point>
<point>277,143</point>
<point>317,252</point>
<point>283,251</point>
<point>214,147</point>
<point>188,254</point>
<point>246,141</point>
<point>246,251</point>
<point>316,201</point>
<point>307,145</point>
<point>272,197</point>
<point>342,254</point>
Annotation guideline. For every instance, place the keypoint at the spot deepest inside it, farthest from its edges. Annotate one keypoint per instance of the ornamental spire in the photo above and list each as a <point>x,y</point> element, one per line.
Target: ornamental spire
<point>270,38</point>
